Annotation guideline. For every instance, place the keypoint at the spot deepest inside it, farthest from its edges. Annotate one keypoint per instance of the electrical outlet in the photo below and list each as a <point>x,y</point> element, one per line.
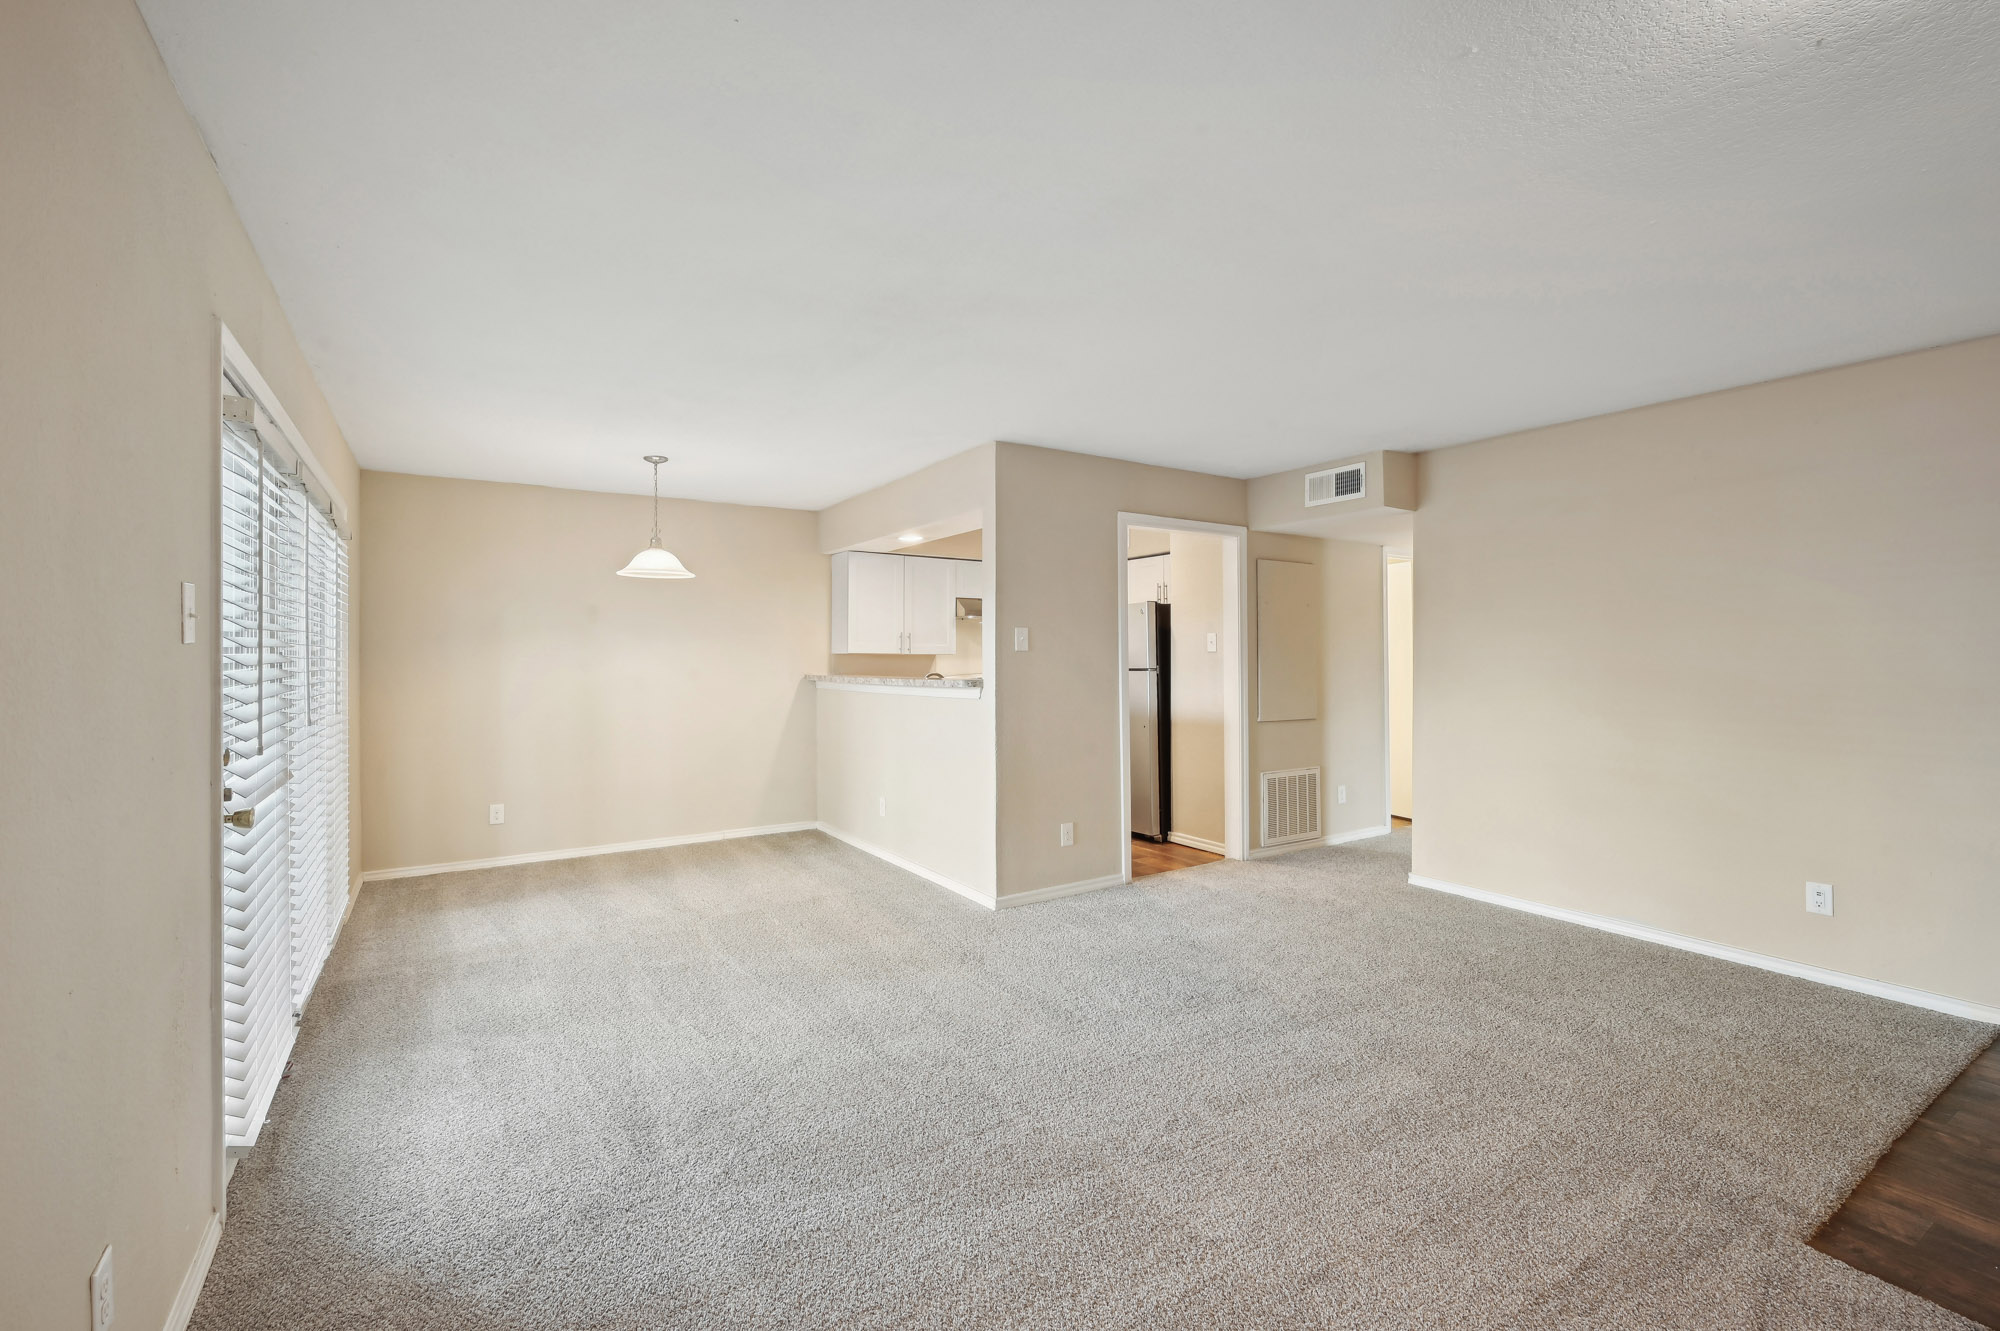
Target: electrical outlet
<point>101,1305</point>
<point>1020,640</point>
<point>1068,834</point>
<point>1340,794</point>
<point>1211,642</point>
<point>882,807</point>
<point>1819,898</point>
<point>496,813</point>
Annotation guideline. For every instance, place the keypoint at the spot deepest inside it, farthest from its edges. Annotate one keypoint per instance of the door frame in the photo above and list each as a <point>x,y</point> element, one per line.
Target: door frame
<point>1235,681</point>
<point>1396,555</point>
<point>232,371</point>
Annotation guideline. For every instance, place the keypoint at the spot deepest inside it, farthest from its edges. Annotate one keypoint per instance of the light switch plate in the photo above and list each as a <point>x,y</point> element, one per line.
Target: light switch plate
<point>102,1307</point>
<point>187,612</point>
<point>1211,642</point>
<point>1020,640</point>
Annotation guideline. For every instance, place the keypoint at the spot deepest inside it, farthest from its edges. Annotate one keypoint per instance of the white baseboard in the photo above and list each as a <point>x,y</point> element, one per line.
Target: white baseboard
<point>1033,895</point>
<point>579,852</point>
<point>1333,839</point>
<point>908,866</point>
<point>1895,993</point>
<point>183,1310</point>
<point>1196,843</point>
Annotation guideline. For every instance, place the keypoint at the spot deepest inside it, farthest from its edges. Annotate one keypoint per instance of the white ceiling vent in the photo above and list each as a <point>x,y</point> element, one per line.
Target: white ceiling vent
<point>1337,484</point>
<point>1291,805</point>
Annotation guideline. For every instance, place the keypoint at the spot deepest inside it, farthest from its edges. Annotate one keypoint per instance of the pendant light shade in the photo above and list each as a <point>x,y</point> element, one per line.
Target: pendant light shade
<point>655,561</point>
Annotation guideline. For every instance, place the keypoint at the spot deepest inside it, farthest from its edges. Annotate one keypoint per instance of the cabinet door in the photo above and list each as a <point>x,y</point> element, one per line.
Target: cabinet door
<point>867,602</point>
<point>1146,579</point>
<point>929,622</point>
<point>971,578</point>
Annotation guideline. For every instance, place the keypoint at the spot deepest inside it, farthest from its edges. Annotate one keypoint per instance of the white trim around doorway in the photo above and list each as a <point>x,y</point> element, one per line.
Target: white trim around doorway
<point>1236,819</point>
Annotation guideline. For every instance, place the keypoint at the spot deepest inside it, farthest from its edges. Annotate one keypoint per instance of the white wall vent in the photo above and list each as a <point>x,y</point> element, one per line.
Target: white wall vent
<point>1291,805</point>
<point>1337,484</point>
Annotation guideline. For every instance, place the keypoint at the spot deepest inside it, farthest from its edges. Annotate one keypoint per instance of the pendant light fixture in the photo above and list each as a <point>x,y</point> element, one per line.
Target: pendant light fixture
<point>655,561</point>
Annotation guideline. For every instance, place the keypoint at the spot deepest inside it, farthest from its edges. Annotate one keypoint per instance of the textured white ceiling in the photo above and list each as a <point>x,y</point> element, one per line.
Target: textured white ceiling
<point>804,247</point>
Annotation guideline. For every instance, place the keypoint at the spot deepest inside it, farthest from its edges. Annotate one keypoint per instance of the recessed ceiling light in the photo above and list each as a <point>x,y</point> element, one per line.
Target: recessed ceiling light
<point>909,538</point>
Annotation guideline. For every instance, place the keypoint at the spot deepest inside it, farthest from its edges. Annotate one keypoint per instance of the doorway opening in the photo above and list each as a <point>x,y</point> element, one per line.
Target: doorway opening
<point>1399,653</point>
<point>1181,639</point>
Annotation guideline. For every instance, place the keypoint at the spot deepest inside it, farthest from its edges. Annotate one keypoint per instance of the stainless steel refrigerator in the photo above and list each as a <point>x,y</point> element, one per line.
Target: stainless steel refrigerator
<point>1148,669</point>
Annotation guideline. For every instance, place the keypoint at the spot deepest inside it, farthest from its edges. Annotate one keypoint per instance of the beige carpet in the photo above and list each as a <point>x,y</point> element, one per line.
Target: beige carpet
<point>776,1083</point>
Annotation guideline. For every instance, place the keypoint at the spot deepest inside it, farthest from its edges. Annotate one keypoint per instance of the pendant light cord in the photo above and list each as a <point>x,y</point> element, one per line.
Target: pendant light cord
<point>656,504</point>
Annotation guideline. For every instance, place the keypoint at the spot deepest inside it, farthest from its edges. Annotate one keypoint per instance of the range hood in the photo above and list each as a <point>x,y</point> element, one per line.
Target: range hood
<point>969,608</point>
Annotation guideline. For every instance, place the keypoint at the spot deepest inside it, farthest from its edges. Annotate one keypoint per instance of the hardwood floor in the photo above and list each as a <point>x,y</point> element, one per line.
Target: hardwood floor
<point>1398,820</point>
<point>1150,857</point>
<point>1927,1217</point>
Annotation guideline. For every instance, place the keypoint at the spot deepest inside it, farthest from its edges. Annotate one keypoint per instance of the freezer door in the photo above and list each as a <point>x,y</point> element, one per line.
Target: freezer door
<point>1140,636</point>
<point>1142,700</point>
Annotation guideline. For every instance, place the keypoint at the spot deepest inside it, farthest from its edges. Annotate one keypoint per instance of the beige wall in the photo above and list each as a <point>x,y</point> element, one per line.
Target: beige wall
<point>1058,743</point>
<point>1058,553</point>
<point>1194,580</point>
<point>1402,687</point>
<point>1677,662</point>
<point>121,254</point>
<point>508,664</point>
<point>956,493</point>
<point>911,774</point>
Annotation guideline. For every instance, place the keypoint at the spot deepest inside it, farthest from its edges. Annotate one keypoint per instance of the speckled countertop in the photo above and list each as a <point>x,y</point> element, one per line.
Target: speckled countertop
<point>898,681</point>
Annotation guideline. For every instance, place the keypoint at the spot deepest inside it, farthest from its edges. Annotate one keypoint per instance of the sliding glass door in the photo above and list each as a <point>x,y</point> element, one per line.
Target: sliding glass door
<point>283,630</point>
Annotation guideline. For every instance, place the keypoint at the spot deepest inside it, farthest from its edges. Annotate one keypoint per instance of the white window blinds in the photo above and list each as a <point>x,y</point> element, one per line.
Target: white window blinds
<point>319,758</point>
<point>284,765</point>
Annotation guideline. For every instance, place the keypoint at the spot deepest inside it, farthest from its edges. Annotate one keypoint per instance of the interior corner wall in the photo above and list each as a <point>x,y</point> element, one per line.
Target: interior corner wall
<point>1057,576</point>
<point>508,664</point>
<point>1355,745</point>
<point>122,254</point>
<point>1675,663</point>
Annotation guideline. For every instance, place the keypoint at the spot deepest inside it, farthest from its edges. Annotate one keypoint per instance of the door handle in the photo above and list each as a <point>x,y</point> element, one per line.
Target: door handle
<point>242,820</point>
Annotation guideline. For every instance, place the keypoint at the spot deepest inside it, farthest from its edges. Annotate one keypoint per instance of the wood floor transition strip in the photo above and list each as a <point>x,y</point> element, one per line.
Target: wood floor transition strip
<point>1927,1217</point>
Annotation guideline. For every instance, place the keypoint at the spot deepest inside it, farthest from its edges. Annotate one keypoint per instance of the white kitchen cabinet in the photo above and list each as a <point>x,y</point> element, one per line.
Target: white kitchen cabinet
<point>1146,579</point>
<point>867,602</point>
<point>930,615</point>
<point>971,578</point>
<point>892,605</point>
